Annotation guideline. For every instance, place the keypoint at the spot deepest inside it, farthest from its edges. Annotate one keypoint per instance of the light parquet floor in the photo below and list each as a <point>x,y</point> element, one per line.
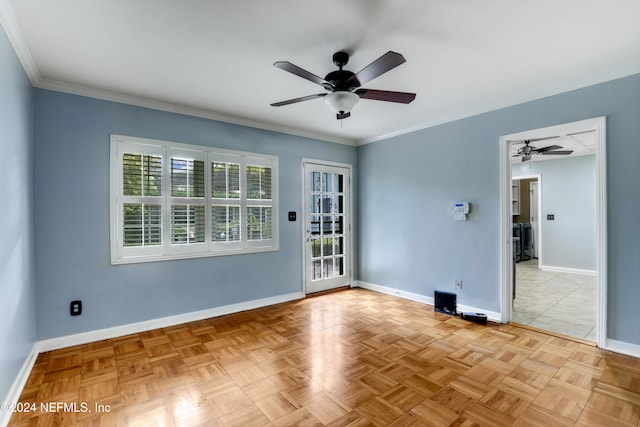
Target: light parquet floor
<point>349,358</point>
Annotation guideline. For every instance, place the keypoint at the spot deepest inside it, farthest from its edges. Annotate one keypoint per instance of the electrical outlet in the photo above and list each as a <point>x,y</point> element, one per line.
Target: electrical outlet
<point>75,308</point>
<point>458,283</point>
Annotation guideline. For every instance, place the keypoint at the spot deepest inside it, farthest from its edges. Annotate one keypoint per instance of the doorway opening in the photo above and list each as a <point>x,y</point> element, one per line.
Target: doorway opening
<point>327,226</point>
<point>526,203</point>
<point>509,276</point>
<point>546,296</point>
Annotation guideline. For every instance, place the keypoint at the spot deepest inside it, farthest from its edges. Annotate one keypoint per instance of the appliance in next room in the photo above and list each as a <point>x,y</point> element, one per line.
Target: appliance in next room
<point>523,250</point>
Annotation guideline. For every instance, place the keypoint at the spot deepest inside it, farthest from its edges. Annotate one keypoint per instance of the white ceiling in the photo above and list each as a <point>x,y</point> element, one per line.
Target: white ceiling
<point>215,58</point>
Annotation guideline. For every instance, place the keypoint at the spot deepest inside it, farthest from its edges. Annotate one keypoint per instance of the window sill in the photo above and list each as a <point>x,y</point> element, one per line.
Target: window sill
<point>171,257</point>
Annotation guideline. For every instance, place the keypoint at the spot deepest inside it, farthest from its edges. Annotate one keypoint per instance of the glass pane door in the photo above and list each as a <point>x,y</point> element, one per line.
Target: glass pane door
<point>326,227</point>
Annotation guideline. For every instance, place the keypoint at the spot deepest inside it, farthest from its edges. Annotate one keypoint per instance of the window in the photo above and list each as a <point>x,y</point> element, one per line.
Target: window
<point>171,200</point>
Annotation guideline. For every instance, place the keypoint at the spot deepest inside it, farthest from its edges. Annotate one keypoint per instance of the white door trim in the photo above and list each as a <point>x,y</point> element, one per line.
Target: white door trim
<point>597,124</point>
<point>349,246</point>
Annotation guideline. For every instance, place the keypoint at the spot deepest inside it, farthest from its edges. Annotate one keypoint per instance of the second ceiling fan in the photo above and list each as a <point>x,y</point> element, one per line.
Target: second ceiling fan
<point>527,150</point>
<point>344,87</point>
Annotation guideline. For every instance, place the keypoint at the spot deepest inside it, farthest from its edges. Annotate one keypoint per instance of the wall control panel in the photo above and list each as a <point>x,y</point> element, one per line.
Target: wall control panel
<point>460,210</point>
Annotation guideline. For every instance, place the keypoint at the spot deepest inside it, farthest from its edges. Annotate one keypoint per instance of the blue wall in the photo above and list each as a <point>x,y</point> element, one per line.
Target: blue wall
<point>409,241</point>
<point>406,237</point>
<point>71,181</point>
<point>17,308</point>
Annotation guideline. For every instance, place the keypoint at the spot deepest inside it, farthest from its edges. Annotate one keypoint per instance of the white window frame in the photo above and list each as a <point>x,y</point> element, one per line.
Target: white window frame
<point>167,250</point>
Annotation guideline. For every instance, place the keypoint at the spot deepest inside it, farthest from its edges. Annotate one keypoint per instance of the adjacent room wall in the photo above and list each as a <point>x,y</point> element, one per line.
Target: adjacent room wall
<point>568,190</point>
<point>17,303</point>
<point>409,241</point>
<point>72,135</point>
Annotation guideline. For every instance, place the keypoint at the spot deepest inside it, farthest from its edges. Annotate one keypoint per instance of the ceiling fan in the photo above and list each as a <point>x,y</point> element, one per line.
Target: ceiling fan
<point>344,87</point>
<point>529,150</point>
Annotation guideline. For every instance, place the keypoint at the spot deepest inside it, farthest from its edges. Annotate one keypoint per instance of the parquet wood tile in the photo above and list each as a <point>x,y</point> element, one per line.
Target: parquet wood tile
<point>347,358</point>
<point>379,412</point>
<point>434,414</point>
<point>325,409</point>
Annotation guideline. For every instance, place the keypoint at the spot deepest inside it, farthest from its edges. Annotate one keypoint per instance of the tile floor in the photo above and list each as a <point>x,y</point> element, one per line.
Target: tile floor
<point>559,302</point>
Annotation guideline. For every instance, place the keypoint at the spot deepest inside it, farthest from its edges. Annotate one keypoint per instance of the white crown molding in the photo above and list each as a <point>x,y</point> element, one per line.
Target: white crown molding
<point>138,101</point>
<point>612,74</point>
<point>154,104</point>
<point>10,26</point>
<point>14,34</point>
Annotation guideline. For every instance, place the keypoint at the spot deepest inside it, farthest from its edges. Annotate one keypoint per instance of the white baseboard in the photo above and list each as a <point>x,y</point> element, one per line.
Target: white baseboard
<point>623,347</point>
<point>491,315</point>
<point>568,270</point>
<point>395,292</point>
<point>163,322</point>
<point>18,384</point>
<point>611,345</point>
<point>87,337</point>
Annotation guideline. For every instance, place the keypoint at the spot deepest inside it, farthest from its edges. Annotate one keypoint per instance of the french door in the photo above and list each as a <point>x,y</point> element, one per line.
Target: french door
<point>327,227</point>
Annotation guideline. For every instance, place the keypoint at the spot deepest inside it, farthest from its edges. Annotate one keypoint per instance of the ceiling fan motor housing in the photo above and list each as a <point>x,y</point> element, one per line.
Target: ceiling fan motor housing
<point>340,80</point>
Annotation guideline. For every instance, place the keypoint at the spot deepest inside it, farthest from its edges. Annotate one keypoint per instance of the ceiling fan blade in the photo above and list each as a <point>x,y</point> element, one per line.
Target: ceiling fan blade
<point>386,95</point>
<point>294,100</point>
<point>545,149</point>
<point>561,152</point>
<point>301,72</point>
<point>386,62</point>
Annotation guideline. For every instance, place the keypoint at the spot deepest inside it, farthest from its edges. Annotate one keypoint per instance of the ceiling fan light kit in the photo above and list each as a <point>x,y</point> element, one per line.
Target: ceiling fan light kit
<point>341,101</point>
<point>343,86</point>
